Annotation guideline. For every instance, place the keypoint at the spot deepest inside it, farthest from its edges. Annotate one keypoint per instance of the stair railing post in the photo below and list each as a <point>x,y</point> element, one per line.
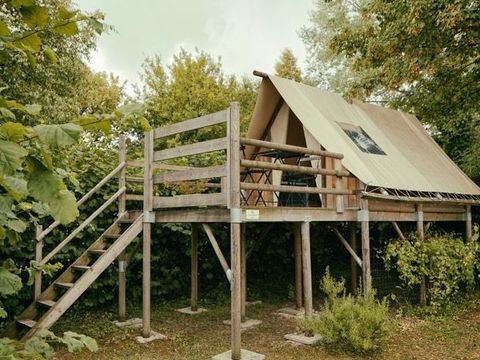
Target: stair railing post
<point>233,156</point>
<point>147,228</point>
<point>122,264</point>
<point>38,258</point>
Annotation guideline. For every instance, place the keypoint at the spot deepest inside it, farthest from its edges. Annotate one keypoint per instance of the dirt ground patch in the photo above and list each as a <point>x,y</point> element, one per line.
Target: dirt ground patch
<point>204,335</point>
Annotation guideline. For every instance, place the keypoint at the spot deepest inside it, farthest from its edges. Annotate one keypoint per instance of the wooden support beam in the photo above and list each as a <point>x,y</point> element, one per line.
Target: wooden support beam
<point>365,224</point>
<point>338,186</point>
<point>147,230</point>
<point>192,124</point>
<point>352,227</point>
<point>292,168</point>
<point>38,258</point>
<point>217,250</point>
<point>295,189</point>
<point>243,254</point>
<point>194,269</point>
<point>122,287</point>
<point>289,148</point>
<point>191,149</point>
<point>468,223</point>
<point>398,230</point>
<point>233,154</point>
<point>421,237</point>
<point>190,200</point>
<point>347,246</point>
<point>158,166</point>
<point>122,158</point>
<point>307,269</point>
<point>297,238</point>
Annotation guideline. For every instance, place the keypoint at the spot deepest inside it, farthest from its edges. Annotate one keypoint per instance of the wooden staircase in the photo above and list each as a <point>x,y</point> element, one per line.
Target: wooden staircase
<point>56,299</point>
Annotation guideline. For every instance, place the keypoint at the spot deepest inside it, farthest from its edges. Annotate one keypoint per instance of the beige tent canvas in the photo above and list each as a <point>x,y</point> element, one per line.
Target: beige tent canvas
<point>385,149</point>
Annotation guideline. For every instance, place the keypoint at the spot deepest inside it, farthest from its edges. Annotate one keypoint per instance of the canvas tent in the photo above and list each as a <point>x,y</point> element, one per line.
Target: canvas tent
<point>383,148</point>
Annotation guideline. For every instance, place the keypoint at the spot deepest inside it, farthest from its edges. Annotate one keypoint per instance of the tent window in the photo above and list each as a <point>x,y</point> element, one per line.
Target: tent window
<point>362,139</point>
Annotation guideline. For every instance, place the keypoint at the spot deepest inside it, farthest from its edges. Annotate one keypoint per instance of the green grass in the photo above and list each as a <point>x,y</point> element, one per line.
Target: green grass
<point>453,336</point>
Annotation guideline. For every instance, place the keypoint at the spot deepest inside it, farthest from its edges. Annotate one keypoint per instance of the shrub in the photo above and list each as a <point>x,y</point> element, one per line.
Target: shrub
<point>354,323</point>
<point>447,263</point>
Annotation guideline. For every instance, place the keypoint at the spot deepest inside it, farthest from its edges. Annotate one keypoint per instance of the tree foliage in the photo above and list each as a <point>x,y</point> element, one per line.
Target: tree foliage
<point>420,56</point>
<point>287,66</point>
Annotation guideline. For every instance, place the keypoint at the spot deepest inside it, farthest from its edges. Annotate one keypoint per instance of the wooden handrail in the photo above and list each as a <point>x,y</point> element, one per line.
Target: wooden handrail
<point>295,189</point>
<point>289,148</point>
<point>84,198</point>
<point>292,168</point>
<point>80,227</point>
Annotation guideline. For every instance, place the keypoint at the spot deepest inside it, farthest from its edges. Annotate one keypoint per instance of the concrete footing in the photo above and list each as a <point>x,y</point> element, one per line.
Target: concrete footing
<point>245,355</point>
<point>301,338</point>
<point>291,313</point>
<point>189,311</point>
<point>134,323</point>
<point>153,336</point>
<point>245,325</point>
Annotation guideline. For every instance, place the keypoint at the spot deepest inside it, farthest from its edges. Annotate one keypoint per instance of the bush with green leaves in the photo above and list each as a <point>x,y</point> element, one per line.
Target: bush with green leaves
<point>358,324</point>
<point>40,347</point>
<point>446,262</point>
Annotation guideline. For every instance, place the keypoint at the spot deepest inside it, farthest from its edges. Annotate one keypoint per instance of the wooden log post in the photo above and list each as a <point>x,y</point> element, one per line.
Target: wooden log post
<point>339,185</point>
<point>233,135</point>
<point>147,229</point>
<point>468,223</point>
<point>307,269</point>
<point>122,157</point>
<point>352,227</point>
<point>365,225</point>
<point>194,269</point>
<point>297,238</point>
<point>243,253</point>
<point>421,237</point>
<point>38,258</point>
<point>122,288</point>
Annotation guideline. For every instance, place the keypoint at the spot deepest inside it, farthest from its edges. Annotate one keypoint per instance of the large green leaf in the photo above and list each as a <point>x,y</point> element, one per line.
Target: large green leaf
<point>15,186</point>
<point>4,31</point>
<point>19,3</point>
<point>66,28</point>
<point>17,225</point>
<point>66,14</point>
<point>92,122</point>
<point>35,16</point>
<point>6,204</point>
<point>58,135</point>
<point>29,41</point>
<point>13,131</point>
<point>44,185</point>
<point>9,283</point>
<point>63,207</point>
<point>50,55</point>
<point>11,157</point>
<point>38,345</point>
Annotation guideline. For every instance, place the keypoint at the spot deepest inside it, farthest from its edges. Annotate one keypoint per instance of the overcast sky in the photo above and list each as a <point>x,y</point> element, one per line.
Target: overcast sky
<point>247,34</point>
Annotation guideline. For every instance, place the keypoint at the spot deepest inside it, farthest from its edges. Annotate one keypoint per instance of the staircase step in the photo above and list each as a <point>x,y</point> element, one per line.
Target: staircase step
<point>46,303</point>
<point>27,322</point>
<point>81,267</point>
<point>111,236</point>
<point>126,221</point>
<point>97,251</point>
<point>64,285</point>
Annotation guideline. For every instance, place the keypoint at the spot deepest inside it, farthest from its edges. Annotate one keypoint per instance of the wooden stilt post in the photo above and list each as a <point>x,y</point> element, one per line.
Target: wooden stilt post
<point>194,268</point>
<point>122,288</point>
<point>147,229</point>
<point>421,237</point>
<point>307,269</point>
<point>243,251</point>
<point>468,223</point>
<point>38,257</point>
<point>233,133</point>
<point>297,238</point>
<point>365,224</point>
<point>352,227</point>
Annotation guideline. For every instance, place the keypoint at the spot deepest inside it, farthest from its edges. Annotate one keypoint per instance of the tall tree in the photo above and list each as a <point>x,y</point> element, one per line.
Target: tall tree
<point>192,85</point>
<point>287,66</point>
<point>420,56</point>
